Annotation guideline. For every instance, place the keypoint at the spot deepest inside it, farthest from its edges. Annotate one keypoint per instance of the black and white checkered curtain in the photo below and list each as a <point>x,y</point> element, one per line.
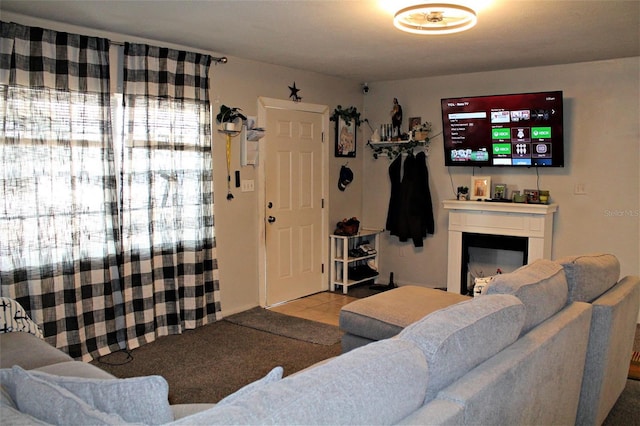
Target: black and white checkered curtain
<point>58,214</point>
<point>170,273</point>
<point>107,240</point>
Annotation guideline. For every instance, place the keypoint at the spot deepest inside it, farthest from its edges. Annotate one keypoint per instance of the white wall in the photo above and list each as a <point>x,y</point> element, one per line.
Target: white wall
<point>602,151</point>
<point>240,83</point>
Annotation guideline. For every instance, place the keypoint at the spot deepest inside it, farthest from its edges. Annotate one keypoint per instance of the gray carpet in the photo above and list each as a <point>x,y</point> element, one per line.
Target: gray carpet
<point>213,361</point>
<point>287,326</point>
<point>626,410</point>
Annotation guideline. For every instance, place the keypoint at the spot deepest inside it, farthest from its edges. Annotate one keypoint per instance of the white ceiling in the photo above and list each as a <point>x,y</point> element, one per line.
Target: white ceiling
<point>355,39</point>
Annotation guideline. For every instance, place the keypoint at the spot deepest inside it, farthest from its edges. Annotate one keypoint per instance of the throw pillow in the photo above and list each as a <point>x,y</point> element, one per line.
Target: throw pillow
<point>54,404</point>
<point>273,376</point>
<point>6,400</point>
<point>13,317</point>
<point>11,416</point>
<point>8,387</point>
<point>136,400</point>
<point>456,339</point>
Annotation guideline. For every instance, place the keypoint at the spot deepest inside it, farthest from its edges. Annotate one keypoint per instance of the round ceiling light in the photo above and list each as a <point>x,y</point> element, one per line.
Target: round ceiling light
<point>435,18</point>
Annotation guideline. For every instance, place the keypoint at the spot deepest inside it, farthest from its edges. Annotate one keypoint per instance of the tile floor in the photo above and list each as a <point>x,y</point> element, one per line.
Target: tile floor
<point>322,307</point>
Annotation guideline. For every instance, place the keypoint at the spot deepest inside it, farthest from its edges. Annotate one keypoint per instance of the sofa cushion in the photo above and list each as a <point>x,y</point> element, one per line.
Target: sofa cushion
<point>138,399</point>
<point>384,315</point>
<point>28,351</point>
<point>379,383</point>
<point>184,410</point>
<point>273,376</point>
<point>590,276</point>
<point>75,369</point>
<point>541,286</point>
<point>460,337</point>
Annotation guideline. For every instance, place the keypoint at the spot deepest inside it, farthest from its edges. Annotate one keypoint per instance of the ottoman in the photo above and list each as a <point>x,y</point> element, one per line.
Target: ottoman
<point>385,314</point>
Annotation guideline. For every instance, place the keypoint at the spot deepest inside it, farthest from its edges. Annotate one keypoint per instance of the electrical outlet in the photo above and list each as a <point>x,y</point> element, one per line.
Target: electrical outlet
<point>580,189</point>
<point>247,185</point>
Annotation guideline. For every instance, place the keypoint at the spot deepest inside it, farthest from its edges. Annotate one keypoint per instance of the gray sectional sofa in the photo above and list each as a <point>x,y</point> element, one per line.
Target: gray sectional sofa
<point>547,344</point>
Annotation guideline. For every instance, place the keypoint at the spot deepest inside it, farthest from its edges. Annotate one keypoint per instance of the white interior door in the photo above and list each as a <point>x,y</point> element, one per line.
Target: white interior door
<point>295,224</point>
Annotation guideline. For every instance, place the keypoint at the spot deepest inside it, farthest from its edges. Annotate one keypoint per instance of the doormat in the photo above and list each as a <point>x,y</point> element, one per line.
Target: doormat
<point>634,367</point>
<point>288,326</point>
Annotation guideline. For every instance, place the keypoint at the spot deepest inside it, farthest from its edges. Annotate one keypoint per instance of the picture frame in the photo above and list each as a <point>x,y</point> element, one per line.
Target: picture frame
<point>414,122</point>
<point>499,191</point>
<point>346,139</point>
<point>533,196</point>
<point>480,188</point>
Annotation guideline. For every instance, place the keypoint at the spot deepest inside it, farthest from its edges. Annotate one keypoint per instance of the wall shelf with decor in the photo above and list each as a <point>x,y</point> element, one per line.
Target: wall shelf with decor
<point>392,149</point>
<point>249,139</point>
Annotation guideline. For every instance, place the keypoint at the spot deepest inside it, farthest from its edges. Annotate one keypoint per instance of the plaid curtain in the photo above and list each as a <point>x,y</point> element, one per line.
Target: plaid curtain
<point>58,213</point>
<point>169,271</point>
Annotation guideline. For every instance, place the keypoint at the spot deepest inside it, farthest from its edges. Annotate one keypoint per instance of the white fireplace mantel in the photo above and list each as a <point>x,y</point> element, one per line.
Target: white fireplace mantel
<point>534,221</point>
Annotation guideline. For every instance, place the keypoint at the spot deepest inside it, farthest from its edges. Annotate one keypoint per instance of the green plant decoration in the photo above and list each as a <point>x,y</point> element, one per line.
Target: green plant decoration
<point>229,114</point>
<point>347,115</point>
<point>393,151</point>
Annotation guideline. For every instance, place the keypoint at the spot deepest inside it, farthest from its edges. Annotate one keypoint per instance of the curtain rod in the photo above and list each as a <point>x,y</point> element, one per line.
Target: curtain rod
<point>216,59</point>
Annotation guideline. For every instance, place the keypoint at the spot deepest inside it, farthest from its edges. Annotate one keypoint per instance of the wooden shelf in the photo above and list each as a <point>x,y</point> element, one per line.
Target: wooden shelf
<point>394,143</point>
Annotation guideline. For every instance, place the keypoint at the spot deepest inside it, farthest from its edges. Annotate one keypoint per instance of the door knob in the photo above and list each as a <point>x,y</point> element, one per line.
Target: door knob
<point>271,219</point>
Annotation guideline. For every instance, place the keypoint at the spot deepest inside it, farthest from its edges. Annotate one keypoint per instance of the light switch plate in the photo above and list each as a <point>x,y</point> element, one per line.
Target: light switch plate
<point>247,185</point>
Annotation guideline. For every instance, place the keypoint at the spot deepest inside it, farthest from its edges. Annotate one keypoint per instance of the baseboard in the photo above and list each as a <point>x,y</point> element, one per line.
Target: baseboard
<point>236,310</point>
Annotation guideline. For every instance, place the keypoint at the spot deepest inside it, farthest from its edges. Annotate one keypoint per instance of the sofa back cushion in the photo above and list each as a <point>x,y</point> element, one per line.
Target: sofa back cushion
<point>541,286</point>
<point>379,383</point>
<point>590,276</point>
<point>458,338</point>
<point>534,381</point>
<point>28,351</point>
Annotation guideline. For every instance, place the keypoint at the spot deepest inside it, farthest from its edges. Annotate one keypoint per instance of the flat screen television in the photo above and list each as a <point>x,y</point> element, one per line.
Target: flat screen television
<point>517,130</point>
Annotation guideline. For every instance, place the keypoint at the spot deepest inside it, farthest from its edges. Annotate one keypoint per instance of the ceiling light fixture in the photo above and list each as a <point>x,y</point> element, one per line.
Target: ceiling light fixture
<point>435,18</point>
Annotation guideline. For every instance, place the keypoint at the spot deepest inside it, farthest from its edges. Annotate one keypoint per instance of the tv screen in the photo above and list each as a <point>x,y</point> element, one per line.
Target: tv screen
<point>519,130</point>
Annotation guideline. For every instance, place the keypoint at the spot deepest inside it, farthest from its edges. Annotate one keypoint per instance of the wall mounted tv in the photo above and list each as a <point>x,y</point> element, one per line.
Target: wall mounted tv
<point>517,130</point>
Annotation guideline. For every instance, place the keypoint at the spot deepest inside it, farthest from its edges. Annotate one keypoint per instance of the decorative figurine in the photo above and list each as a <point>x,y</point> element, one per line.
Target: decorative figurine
<point>396,118</point>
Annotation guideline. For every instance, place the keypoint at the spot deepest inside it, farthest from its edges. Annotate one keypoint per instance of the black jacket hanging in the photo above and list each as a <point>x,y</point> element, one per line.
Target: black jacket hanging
<point>410,213</point>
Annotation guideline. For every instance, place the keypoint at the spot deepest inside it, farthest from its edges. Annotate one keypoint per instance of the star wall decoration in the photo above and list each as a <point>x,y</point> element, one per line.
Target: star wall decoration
<point>294,93</point>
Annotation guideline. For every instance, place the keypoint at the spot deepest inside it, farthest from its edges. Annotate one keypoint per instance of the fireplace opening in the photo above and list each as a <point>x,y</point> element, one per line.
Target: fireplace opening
<point>471,242</point>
